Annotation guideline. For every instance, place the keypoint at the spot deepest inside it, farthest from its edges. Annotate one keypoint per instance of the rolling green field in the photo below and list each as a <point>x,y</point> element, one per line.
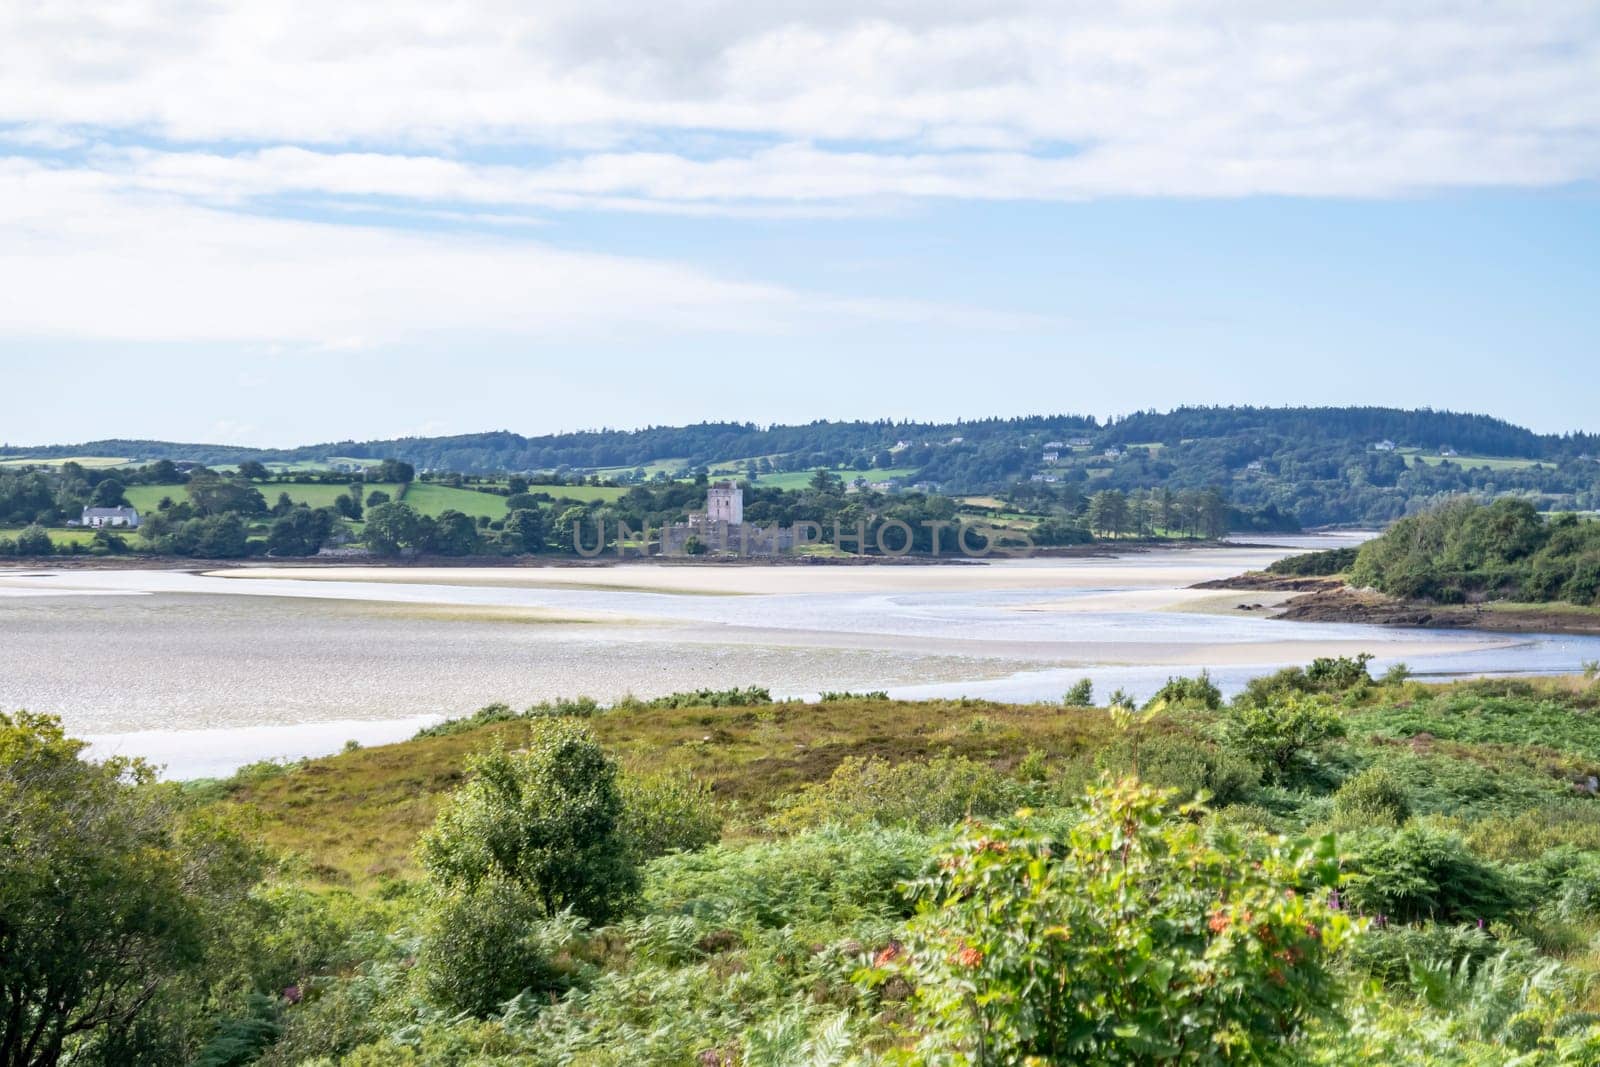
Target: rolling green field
<point>668,466</point>
<point>585,493</point>
<point>61,535</point>
<point>437,499</point>
<point>801,479</point>
<point>432,499</point>
<point>321,496</point>
<point>147,497</point>
<point>1494,463</point>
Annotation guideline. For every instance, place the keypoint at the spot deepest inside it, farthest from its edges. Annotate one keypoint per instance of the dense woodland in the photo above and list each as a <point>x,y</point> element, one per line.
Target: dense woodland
<point>1466,551</point>
<point>1500,551</point>
<point>1328,869</point>
<point>1317,465</point>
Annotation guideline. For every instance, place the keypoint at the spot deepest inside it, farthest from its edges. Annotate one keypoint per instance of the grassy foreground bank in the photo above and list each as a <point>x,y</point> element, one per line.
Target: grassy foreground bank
<point>1327,869</point>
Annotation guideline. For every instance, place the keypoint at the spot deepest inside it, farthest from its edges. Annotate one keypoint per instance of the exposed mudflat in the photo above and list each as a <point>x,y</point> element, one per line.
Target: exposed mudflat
<point>1313,599</point>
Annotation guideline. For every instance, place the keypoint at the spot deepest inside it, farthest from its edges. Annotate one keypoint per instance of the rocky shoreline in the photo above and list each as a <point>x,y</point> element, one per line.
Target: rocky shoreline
<point>1331,600</point>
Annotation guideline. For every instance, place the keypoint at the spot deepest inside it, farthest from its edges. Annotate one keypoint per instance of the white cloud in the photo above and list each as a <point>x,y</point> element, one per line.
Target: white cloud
<point>154,140</point>
<point>83,256</point>
<point>1217,97</point>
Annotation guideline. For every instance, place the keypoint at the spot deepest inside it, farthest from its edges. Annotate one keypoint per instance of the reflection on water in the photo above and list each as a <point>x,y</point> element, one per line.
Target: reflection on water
<point>230,670</point>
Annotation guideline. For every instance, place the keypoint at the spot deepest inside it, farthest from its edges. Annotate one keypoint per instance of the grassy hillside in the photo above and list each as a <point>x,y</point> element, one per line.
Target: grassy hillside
<point>1467,838</point>
<point>355,817</point>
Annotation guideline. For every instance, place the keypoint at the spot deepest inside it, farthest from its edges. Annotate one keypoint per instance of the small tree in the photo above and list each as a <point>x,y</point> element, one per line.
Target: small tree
<point>454,534</point>
<point>109,494</point>
<point>391,527</point>
<point>105,895</point>
<point>548,819</point>
<point>669,812</point>
<point>1280,735</point>
<point>1081,695</point>
<point>526,530</point>
<point>34,541</point>
<point>482,947</point>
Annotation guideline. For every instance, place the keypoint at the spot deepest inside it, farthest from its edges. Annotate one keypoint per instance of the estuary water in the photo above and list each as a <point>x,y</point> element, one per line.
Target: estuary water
<point>203,672</point>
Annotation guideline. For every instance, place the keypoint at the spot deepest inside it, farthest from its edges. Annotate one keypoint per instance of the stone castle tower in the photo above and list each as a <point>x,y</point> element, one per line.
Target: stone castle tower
<point>725,503</point>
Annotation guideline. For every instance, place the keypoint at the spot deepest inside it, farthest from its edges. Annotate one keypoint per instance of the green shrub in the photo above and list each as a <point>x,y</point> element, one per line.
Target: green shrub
<point>1338,673</point>
<point>1197,692</point>
<point>750,696</point>
<point>1375,797</point>
<point>1281,736</point>
<point>1397,674</point>
<point>1316,564</point>
<point>821,878</point>
<point>483,946</point>
<point>832,697</point>
<point>1033,767</point>
<point>1081,695</point>
<point>1182,762</point>
<point>1387,953</point>
<point>238,1040</point>
<point>34,541</point>
<point>548,818</point>
<point>1323,675</point>
<point>1422,873</point>
<point>484,716</point>
<point>919,794</point>
<point>1129,938</point>
<point>668,812</point>
<point>565,708</point>
<point>1567,883</point>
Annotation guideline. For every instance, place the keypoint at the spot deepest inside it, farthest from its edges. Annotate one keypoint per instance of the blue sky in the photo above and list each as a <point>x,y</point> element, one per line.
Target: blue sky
<point>259,226</point>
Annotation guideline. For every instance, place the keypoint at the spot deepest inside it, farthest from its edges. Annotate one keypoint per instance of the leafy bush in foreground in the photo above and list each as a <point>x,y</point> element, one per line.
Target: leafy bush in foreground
<point>548,818</point>
<point>1281,736</point>
<point>1129,938</point>
<point>827,876</point>
<point>1197,692</point>
<point>485,945</point>
<point>1182,762</point>
<point>918,794</point>
<point>668,812</point>
<point>1373,798</point>
<point>1425,874</point>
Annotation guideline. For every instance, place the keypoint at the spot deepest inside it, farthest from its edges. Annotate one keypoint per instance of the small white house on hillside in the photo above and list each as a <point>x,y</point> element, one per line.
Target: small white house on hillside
<point>118,516</point>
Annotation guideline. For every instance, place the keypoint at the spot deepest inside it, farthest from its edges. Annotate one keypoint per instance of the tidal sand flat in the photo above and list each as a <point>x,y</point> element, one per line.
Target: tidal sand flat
<point>209,670</point>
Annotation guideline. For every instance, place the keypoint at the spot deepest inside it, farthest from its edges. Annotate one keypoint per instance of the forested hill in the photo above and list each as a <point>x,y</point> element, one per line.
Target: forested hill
<point>1429,430</point>
<point>1322,465</point>
<point>718,441</point>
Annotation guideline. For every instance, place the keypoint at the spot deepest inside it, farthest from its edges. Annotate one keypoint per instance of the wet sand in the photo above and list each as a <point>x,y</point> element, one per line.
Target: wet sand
<point>1164,568</point>
<point>208,670</point>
